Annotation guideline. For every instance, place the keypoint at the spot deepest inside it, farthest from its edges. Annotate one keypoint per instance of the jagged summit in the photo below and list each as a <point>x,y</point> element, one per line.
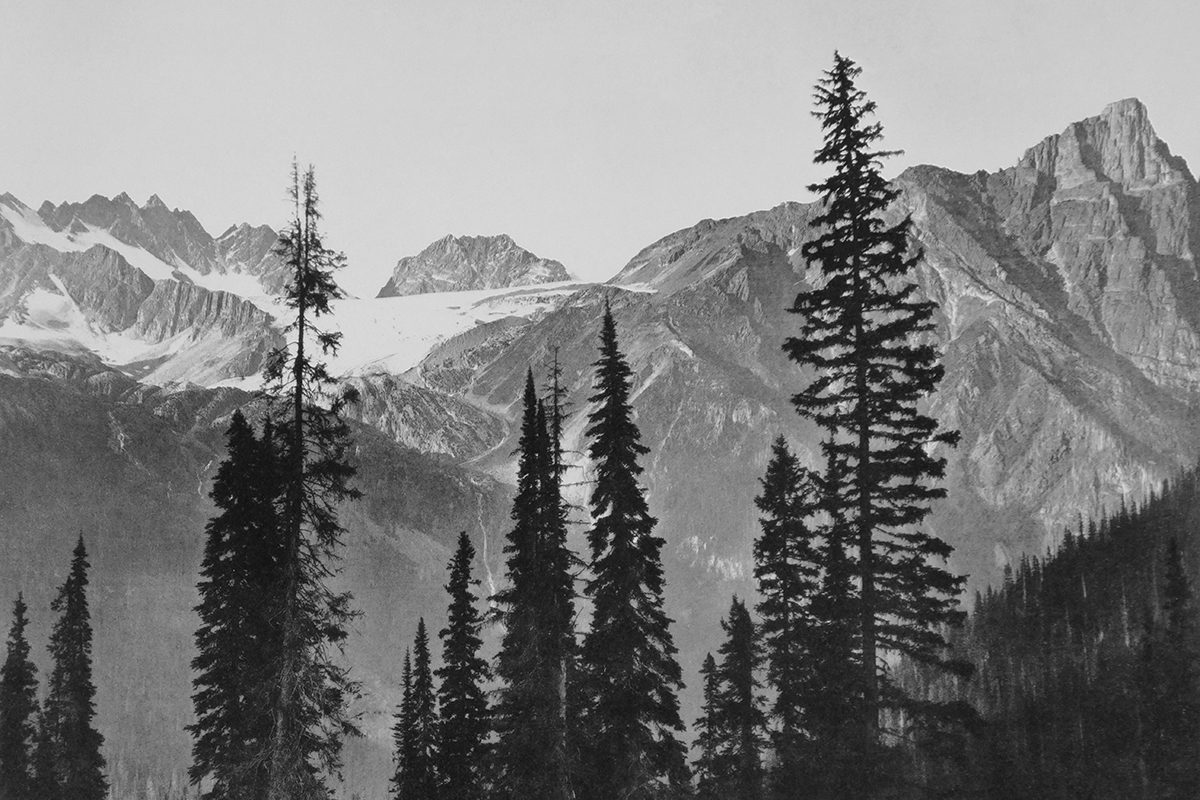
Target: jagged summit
<point>458,263</point>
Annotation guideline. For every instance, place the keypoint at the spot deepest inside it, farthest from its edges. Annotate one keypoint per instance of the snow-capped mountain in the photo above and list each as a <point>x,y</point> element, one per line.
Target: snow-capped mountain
<point>1069,321</point>
<point>459,263</point>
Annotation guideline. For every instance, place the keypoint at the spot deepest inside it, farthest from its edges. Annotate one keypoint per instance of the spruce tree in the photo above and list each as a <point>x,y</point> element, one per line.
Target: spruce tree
<point>44,781</point>
<point>864,331</point>
<point>237,635</point>
<point>786,567</point>
<point>739,707</point>
<point>710,735</point>
<point>420,778</point>
<point>462,703</point>
<point>1171,697</point>
<point>73,741</point>
<point>402,729</point>
<point>310,691</point>
<point>18,710</point>
<point>630,675</point>
<point>536,608</point>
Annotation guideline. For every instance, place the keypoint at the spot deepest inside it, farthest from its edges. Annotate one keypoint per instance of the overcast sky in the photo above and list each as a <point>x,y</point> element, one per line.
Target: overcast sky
<point>586,130</point>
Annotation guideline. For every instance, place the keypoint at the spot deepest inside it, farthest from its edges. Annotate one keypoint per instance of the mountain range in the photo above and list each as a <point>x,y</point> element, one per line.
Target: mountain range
<point>1069,320</point>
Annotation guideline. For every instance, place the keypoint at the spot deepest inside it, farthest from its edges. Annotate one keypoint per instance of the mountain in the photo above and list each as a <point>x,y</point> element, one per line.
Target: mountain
<point>459,263</point>
<point>1069,316</point>
<point>1069,320</point>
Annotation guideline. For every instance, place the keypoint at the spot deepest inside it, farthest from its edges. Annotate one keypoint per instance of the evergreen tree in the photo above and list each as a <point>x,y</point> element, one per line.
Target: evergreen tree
<point>18,710</point>
<point>419,779</point>
<point>310,691</point>
<point>786,568</point>
<point>462,703</point>
<point>709,735</point>
<point>237,634</point>
<point>44,781</point>
<point>739,705</point>
<point>1171,665</point>
<point>537,611</point>
<point>402,729</point>
<point>864,331</point>
<point>73,741</point>
<point>630,674</point>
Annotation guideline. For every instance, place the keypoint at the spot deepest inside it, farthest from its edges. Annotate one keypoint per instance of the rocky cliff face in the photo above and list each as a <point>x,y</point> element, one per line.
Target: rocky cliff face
<point>458,263</point>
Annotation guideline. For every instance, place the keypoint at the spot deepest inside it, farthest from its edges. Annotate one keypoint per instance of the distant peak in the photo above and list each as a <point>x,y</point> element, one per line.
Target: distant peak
<point>155,202</point>
<point>125,199</point>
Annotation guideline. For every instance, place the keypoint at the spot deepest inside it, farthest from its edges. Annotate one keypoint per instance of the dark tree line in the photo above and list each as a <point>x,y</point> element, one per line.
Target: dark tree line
<point>52,752</point>
<point>1089,662</point>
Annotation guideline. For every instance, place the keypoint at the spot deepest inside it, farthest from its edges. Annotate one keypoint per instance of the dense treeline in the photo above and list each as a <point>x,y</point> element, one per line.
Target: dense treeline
<point>1088,662</point>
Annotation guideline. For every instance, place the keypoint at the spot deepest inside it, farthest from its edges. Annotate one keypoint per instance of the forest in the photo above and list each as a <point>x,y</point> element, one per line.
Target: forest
<point>857,670</point>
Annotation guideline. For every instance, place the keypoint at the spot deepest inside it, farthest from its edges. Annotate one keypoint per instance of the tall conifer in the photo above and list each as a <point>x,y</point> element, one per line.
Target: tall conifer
<point>402,729</point>
<point>69,717</point>
<point>18,710</point>
<point>310,690</point>
<point>739,704</point>
<point>419,779</point>
<point>536,608</point>
<point>786,567</point>
<point>630,673</point>
<point>864,332</point>
<point>237,634</point>
<point>709,734</point>
<point>462,703</point>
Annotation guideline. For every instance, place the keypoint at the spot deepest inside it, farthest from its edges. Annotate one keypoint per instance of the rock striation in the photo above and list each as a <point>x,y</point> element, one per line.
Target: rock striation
<point>459,263</point>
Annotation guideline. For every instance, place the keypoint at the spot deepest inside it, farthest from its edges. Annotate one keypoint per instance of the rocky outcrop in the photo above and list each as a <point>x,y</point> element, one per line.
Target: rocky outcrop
<point>458,263</point>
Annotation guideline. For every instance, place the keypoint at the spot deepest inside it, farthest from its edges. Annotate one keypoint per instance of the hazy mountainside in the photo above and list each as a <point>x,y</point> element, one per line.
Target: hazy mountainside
<point>1070,322</point>
<point>460,263</point>
<point>87,450</point>
<point>1068,319</point>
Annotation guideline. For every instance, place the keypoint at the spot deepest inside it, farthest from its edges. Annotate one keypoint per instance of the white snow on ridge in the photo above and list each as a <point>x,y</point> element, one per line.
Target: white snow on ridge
<point>393,334</point>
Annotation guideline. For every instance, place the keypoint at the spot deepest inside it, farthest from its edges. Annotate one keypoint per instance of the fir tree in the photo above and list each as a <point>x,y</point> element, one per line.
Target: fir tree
<point>536,609</point>
<point>44,781</point>
<point>402,729</point>
<point>1171,668</point>
<point>630,674</point>
<point>739,707</point>
<point>73,742</point>
<point>462,703</point>
<point>237,635</point>
<point>786,568</point>
<point>864,332</point>
<point>710,735</point>
<point>310,690</point>
<point>420,768</point>
<point>18,710</point>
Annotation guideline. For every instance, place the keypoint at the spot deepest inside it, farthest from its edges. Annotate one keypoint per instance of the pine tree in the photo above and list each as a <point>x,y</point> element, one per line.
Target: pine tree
<point>18,710</point>
<point>537,609</point>
<point>237,634</point>
<point>310,690</point>
<point>739,704</point>
<point>420,767</point>
<point>73,742</point>
<point>787,570</point>
<point>710,735</point>
<point>630,673</point>
<point>402,729</point>
<point>864,332</point>
<point>462,703</point>
<point>1171,669</point>
<point>44,781</point>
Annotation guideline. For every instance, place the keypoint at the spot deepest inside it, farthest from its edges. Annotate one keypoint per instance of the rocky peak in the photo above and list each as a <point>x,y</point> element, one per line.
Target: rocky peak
<point>459,263</point>
<point>1118,145</point>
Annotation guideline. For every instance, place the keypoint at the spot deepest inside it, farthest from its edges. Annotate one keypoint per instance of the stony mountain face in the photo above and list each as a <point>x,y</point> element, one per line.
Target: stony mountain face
<point>458,263</point>
<point>175,236</point>
<point>1069,320</point>
<point>89,450</point>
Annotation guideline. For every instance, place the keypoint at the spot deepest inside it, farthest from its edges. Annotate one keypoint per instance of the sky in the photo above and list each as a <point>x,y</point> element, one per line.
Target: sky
<point>585,130</point>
